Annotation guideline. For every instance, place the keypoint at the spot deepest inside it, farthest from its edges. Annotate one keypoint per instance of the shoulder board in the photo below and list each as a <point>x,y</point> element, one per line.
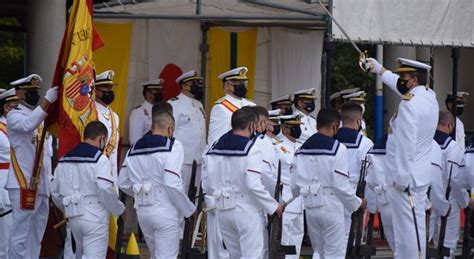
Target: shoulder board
<point>138,106</point>
<point>150,144</point>
<point>173,99</point>
<point>276,141</point>
<point>220,100</point>
<point>82,153</point>
<point>408,96</point>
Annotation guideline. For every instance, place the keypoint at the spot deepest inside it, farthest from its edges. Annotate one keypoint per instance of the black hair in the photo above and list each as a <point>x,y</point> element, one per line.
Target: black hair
<point>327,116</point>
<point>95,129</point>
<point>445,118</point>
<point>350,111</point>
<point>162,107</point>
<point>261,111</point>
<point>243,117</point>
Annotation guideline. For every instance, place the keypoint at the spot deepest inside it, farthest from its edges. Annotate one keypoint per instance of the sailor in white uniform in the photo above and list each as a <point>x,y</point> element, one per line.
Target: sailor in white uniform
<point>320,174</point>
<point>461,100</point>
<point>293,219</point>
<point>336,99</point>
<point>190,123</point>
<point>104,92</point>
<point>357,147</point>
<point>83,188</point>
<point>270,155</point>
<point>23,123</point>
<point>305,105</point>
<point>140,118</point>
<point>452,157</point>
<point>153,177</point>
<point>232,173</point>
<point>408,152</point>
<point>8,101</point>
<point>235,88</point>
<point>284,103</point>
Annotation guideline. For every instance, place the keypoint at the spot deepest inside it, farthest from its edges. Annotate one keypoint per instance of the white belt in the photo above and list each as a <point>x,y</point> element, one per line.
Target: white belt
<point>91,199</point>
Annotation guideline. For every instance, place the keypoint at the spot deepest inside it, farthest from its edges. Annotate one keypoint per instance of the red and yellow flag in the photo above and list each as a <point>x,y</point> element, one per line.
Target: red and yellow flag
<point>75,75</point>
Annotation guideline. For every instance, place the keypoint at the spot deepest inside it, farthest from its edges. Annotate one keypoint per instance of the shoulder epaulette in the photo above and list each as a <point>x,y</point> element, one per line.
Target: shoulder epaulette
<point>276,141</point>
<point>138,106</point>
<point>408,96</point>
<point>173,99</point>
<point>220,100</point>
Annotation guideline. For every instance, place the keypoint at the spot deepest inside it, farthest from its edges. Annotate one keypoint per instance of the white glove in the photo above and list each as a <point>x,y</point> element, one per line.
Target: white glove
<point>52,94</point>
<point>373,65</point>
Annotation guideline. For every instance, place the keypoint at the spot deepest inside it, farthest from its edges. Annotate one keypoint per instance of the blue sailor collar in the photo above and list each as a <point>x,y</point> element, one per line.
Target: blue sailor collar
<point>319,144</point>
<point>82,153</point>
<point>232,145</point>
<point>380,146</point>
<point>149,144</point>
<point>443,139</point>
<point>351,138</point>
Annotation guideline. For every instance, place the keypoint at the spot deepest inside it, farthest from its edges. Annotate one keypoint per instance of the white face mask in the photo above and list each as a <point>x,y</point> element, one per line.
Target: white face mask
<point>363,108</point>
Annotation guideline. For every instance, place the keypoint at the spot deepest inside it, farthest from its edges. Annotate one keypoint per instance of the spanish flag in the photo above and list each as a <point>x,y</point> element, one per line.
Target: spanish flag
<point>75,75</point>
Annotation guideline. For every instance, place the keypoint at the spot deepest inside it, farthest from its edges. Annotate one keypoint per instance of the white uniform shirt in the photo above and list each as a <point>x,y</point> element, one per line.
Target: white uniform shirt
<point>466,174</point>
<point>270,161</point>
<point>22,125</point>
<point>4,165</point>
<point>84,173</point>
<point>308,126</point>
<point>438,185</point>
<point>105,116</point>
<point>376,171</point>
<point>139,121</point>
<point>153,175</point>
<point>460,134</point>
<point>232,175</point>
<point>320,170</point>
<point>412,131</point>
<point>190,130</point>
<point>221,113</point>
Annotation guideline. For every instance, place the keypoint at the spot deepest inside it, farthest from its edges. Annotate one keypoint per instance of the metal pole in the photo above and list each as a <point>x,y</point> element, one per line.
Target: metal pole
<point>329,49</point>
<point>204,48</point>
<point>455,57</point>
<point>283,7</point>
<point>379,105</point>
<point>210,17</point>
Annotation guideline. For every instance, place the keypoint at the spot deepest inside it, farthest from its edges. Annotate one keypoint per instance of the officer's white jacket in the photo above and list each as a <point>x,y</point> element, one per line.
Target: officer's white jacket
<point>460,134</point>
<point>286,151</point>
<point>232,175</point>
<point>308,126</point>
<point>320,174</point>
<point>219,123</point>
<point>466,174</point>
<point>22,124</point>
<point>452,159</point>
<point>376,179</point>
<point>153,174</point>
<point>190,126</point>
<point>83,185</point>
<point>139,122</point>
<point>437,193</point>
<point>4,165</point>
<point>412,129</point>
<point>270,162</point>
<point>104,116</point>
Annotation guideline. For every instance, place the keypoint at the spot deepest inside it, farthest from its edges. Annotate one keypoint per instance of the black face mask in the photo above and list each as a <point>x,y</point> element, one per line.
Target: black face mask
<point>402,86</point>
<point>309,106</point>
<point>459,110</point>
<point>197,91</point>
<point>295,132</point>
<point>158,97</point>
<point>108,97</point>
<point>276,130</point>
<point>240,90</point>
<point>32,98</point>
<point>288,111</point>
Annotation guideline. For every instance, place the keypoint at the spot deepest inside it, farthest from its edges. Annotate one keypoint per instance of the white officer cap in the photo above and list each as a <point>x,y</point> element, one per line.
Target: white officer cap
<point>336,95</point>
<point>285,99</point>
<point>31,81</point>
<point>10,95</point>
<point>273,115</point>
<point>294,119</point>
<point>239,73</point>
<point>308,94</point>
<point>408,65</point>
<point>357,96</point>
<point>154,84</point>
<point>105,78</point>
<point>461,98</point>
<point>188,76</point>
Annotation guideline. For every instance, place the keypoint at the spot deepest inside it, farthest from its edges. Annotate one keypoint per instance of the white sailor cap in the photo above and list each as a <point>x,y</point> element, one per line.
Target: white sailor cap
<point>294,119</point>
<point>461,97</point>
<point>273,115</point>
<point>105,78</point>
<point>9,95</point>
<point>154,84</point>
<point>188,76</point>
<point>308,94</point>
<point>285,99</point>
<point>408,65</point>
<point>357,96</point>
<point>29,82</point>
<point>239,73</point>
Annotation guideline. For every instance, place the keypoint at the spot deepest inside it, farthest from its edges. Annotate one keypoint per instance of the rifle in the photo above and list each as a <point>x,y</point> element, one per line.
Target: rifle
<point>189,223</point>
<point>120,228</point>
<point>275,249</point>
<point>356,249</point>
<point>442,250</point>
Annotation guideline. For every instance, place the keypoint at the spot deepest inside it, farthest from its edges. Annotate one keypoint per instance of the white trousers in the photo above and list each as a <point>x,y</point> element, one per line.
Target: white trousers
<point>68,253</point>
<point>452,228</point>
<point>327,233</point>
<point>265,235</point>
<point>242,233</point>
<point>91,238</point>
<point>403,223</point>
<point>386,216</point>
<point>161,228</point>
<point>187,172</point>
<point>292,232</point>
<point>28,226</point>
<point>215,247</point>
<point>6,223</point>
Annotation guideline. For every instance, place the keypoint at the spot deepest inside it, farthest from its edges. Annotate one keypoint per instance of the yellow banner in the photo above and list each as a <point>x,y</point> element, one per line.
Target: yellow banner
<point>115,55</point>
<point>228,50</point>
